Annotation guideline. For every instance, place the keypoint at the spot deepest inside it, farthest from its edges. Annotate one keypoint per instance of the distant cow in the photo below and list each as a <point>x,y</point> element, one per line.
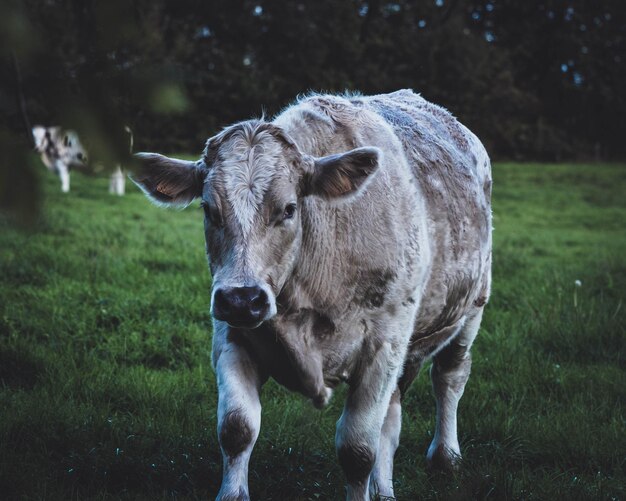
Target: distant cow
<point>349,240</point>
<point>61,151</point>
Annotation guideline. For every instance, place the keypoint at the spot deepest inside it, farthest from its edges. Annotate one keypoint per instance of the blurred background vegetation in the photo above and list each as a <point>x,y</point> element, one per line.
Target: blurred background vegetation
<point>536,80</point>
<point>106,389</point>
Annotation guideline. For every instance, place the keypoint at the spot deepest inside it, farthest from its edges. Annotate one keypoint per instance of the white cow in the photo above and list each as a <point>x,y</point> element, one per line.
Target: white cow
<point>349,241</point>
<point>61,150</point>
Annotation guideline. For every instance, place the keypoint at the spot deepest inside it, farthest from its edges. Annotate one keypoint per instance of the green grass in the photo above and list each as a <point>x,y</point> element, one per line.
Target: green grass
<point>106,388</point>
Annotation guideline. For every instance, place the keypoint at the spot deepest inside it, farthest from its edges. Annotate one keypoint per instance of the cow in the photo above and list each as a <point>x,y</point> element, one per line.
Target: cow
<point>61,151</point>
<point>349,241</point>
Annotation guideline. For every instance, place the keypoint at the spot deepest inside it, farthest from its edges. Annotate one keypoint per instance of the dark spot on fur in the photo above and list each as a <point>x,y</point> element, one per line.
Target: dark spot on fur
<point>480,301</point>
<point>487,189</point>
<point>235,433</point>
<point>272,357</point>
<point>457,300</point>
<point>451,356</point>
<point>322,325</point>
<point>410,372</point>
<point>427,345</point>
<point>373,287</point>
<point>365,326</point>
<point>357,461</point>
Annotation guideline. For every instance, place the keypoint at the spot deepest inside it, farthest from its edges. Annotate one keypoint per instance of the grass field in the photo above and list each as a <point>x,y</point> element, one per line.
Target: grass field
<point>106,388</point>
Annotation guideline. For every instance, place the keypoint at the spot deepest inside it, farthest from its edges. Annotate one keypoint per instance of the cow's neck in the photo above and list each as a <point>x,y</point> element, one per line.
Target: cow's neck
<point>323,264</point>
<point>314,280</point>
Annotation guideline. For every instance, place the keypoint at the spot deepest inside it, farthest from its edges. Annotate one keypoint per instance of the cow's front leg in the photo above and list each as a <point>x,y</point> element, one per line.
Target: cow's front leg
<point>238,418</point>
<point>381,482</point>
<point>359,428</point>
<point>64,175</point>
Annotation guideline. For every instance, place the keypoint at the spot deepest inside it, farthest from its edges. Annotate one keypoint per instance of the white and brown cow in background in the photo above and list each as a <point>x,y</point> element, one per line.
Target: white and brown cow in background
<point>349,241</point>
<point>61,151</point>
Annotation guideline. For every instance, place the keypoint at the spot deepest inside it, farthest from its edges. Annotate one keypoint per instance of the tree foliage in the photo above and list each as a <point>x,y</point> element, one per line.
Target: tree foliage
<point>538,79</point>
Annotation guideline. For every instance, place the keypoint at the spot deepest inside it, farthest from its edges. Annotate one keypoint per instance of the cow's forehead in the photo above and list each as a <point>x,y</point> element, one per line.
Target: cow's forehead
<point>248,165</point>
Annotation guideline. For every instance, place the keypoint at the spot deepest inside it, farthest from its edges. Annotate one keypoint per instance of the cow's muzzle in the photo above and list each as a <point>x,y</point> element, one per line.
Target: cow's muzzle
<point>244,307</point>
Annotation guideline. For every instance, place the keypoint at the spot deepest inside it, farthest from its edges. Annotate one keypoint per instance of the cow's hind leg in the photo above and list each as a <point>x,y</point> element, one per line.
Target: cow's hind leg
<point>238,419</point>
<point>449,374</point>
<point>381,483</point>
<point>117,181</point>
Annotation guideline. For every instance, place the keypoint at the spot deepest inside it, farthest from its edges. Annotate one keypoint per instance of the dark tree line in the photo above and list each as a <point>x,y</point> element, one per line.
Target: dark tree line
<point>536,80</point>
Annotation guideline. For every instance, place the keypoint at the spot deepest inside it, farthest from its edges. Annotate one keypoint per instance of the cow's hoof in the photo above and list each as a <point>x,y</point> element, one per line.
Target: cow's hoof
<point>320,401</point>
<point>378,494</point>
<point>441,458</point>
<point>240,495</point>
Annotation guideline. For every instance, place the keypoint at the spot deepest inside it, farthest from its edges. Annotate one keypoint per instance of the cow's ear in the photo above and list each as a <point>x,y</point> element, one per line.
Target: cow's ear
<point>169,181</point>
<point>339,176</point>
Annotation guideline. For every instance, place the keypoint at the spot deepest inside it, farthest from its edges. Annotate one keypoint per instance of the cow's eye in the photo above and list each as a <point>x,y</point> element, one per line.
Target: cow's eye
<point>289,212</point>
<point>211,214</point>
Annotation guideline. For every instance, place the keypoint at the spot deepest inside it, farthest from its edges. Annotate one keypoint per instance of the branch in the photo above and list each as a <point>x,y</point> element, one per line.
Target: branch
<point>19,87</point>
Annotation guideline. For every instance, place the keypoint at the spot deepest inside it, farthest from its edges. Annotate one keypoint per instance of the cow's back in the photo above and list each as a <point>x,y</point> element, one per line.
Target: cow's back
<point>453,171</point>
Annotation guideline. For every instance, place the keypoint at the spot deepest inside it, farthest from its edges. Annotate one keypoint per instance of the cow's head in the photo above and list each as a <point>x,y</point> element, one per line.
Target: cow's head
<point>252,180</point>
<point>54,142</point>
<point>72,150</point>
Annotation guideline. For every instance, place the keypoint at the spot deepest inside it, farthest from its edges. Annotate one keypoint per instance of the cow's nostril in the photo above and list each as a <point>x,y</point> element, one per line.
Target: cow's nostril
<point>259,301</point>
<point>221,302</point>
